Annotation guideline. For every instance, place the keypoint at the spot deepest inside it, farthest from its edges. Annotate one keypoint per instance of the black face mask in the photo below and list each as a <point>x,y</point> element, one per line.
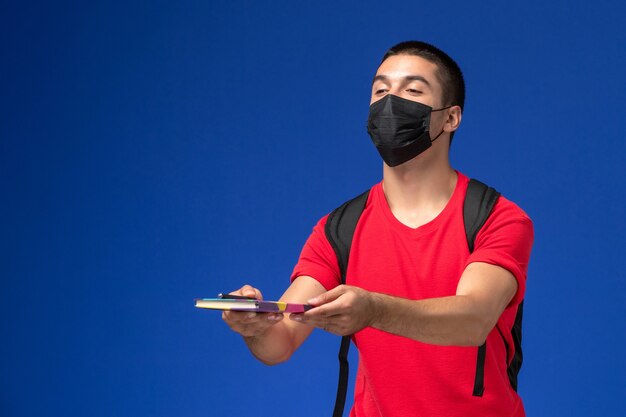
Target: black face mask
<point>399,128</point>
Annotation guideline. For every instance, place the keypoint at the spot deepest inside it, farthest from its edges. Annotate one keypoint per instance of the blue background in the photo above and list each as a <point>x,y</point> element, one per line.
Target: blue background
<point>155,152</point>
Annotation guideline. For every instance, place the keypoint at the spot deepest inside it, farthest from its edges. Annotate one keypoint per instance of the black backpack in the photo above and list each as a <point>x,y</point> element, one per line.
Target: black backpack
<point>340,226</point>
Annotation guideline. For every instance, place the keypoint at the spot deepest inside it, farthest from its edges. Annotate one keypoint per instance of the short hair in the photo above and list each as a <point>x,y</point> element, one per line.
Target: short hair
<point>449,73</point>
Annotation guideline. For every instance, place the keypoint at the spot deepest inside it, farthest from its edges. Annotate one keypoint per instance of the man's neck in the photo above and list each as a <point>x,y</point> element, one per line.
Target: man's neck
<point>418,190</point>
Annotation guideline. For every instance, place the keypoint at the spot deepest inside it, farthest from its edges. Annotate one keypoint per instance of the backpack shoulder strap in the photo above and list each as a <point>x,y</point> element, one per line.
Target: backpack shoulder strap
<point>340,227</point>
<point>479,203</point>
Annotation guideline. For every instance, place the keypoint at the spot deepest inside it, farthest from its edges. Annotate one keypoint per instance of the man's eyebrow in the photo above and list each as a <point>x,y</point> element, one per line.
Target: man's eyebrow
<point>379,78</point>
<point>384,78</point>
<point>417,78</point>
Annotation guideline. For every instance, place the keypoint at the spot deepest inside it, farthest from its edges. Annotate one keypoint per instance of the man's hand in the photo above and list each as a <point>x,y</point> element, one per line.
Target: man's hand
<point>343,311</point>
<point>250,324</point>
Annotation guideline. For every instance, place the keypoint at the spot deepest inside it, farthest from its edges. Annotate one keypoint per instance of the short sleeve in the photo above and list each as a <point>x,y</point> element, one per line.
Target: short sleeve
<point>317,259</point>
<point>506,240</point>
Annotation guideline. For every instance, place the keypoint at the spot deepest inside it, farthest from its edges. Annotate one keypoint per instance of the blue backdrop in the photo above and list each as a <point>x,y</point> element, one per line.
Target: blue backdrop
<point>155,152</point>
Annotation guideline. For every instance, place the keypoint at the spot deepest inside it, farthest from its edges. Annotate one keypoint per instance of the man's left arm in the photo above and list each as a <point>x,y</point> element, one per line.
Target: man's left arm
<point>465,319</point>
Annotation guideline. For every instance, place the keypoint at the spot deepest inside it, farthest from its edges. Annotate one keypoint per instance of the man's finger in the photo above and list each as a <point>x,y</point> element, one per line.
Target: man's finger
<point>327,324</point>
<point>239,316</point>
<point>316,320</point>
<point>250,291</point>
<point>330,309</point>
<point>327,297</point>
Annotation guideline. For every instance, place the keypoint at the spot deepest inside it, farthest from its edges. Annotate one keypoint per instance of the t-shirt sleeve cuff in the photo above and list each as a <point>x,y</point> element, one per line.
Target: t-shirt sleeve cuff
<point>507,263</point>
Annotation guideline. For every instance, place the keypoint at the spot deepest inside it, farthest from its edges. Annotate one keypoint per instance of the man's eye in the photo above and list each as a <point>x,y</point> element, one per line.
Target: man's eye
<point>380,91</point>
<point>413,91</point>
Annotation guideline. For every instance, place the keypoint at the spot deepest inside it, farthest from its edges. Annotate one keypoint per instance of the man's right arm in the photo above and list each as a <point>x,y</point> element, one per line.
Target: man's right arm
<point>271,339</point>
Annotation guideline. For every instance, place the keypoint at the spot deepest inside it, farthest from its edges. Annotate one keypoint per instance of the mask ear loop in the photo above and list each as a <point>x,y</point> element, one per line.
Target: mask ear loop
<point>436,137</point>
<point>440,133</point>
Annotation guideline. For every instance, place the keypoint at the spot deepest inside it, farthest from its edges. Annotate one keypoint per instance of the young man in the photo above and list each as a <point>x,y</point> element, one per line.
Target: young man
<point>416,301</point>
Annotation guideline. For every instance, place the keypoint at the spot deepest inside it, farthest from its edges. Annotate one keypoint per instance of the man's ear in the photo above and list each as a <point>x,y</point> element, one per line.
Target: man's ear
<point>454,119</point>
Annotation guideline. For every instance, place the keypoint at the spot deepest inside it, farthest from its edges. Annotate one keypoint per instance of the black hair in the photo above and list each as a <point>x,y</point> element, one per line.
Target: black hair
<point>448,71</point>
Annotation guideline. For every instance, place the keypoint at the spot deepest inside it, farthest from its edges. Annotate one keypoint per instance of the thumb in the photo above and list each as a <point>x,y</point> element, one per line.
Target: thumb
<point>327,297</point>
<point>250,291</point>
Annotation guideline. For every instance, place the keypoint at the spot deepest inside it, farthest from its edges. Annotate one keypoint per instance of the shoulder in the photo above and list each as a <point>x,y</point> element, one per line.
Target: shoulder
<point>506,240</point>
<point>350,207</point>
<point>340,223</point>
<point>507,222</point>
<point>363,199</point>
<point>318,258</point>
<point>506,209</point>
<point>503,209</point>
<point>507,226</point>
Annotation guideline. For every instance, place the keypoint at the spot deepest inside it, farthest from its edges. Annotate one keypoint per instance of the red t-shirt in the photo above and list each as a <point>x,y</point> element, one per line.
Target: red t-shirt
<point>398,376</point>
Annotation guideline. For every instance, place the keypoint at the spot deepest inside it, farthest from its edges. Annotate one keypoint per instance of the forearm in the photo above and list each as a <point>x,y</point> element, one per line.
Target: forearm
<point>272,347</point>
<point>457,320</point>
<point>270,339</point>
<point>465,319</point>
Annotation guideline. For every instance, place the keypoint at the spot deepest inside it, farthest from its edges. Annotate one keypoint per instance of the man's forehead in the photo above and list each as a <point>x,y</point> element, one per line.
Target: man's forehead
<point>407,66</point>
